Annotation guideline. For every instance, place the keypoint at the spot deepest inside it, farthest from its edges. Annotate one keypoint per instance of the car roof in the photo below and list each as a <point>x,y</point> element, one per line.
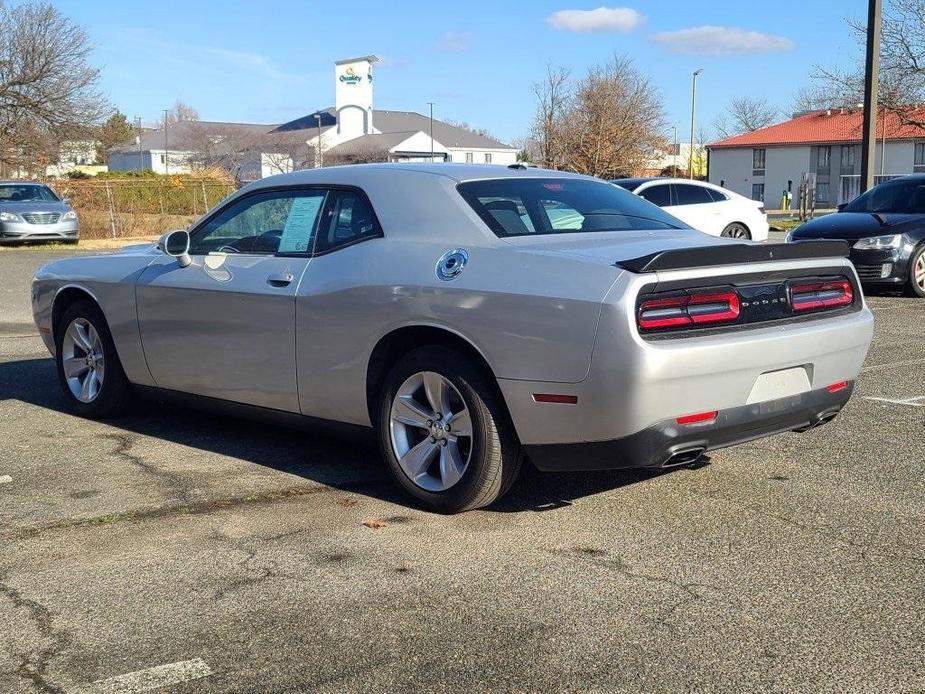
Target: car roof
<point>459,173</point>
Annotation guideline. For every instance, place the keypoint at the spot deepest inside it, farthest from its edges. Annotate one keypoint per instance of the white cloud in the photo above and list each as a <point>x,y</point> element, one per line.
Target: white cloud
<point>455,41</point>
<point>603,20</point>
<point>715,41</point>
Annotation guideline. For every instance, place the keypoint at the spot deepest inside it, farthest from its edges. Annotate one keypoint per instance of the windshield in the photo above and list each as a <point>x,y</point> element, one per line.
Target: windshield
<point>19,192</point>
<point>902,196</point>
<point>528,206</point>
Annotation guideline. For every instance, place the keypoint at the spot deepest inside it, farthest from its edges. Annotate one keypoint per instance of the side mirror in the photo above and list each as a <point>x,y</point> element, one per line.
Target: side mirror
<point>176,244</point>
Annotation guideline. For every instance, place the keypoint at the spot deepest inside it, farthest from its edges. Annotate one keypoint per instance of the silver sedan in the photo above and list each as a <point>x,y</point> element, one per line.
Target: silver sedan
<point>473,317</point>
<point>31,211</point>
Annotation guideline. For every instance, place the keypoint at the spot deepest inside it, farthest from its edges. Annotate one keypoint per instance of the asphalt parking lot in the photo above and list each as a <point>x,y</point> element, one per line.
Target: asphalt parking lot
<point>179,549</point>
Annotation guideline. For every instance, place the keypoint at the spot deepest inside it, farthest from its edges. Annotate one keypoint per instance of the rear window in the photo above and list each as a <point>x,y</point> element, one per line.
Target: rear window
<point>529,206</point>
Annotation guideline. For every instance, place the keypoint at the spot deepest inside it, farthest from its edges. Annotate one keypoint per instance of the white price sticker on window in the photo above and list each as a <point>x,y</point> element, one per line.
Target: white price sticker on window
<point>297,234</point>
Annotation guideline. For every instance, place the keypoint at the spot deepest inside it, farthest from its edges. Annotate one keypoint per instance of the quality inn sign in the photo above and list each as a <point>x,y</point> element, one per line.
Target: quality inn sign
<point>350,76</point>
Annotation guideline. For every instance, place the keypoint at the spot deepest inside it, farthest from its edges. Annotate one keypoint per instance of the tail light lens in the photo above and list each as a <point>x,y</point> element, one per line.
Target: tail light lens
<point>813,296</point>
<point>688,310</point>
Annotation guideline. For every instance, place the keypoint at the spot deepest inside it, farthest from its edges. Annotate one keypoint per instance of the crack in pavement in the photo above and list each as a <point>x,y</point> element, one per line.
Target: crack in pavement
<point>203,507</point>
<point>124,445</point>
<point>690,589</point>
<point>828,532</point>
<point>34,665</point>
<point>249,563</point>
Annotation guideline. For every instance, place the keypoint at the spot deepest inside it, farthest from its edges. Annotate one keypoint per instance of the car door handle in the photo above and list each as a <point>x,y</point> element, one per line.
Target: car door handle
<point>280,279</point>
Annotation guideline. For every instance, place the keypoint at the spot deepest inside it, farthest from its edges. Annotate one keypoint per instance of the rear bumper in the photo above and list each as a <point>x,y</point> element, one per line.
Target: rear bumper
<point>666,443</point>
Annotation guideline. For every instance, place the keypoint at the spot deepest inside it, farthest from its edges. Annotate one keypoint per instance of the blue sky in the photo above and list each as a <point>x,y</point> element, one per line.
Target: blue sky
<point>271,61</point>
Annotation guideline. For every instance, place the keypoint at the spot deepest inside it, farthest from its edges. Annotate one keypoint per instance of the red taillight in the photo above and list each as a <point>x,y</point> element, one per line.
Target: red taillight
<point>556,398</point>
<point>835,387</point>
<point>697,418</point>
<point>689,309</point>
<point>818,295</point>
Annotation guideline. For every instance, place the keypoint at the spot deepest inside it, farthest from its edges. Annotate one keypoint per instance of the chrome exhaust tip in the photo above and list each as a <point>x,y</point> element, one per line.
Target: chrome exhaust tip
<point>685,457</point>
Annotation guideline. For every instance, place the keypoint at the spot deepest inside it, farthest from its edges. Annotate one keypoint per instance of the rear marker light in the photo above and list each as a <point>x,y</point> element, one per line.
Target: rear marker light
<point>556,398</point>
<point>697,418</point>
<point>835,387</point>
<point>696,309</point>
<point>821,295</point>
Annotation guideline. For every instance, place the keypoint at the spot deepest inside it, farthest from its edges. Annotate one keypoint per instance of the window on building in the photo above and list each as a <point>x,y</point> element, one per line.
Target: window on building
<point>822,193</point>
<point>758,191</point>
<point>919,157</point>
<point>468,157</point>
<point>823,158</point>
<point>487,157</point>
<point>758,162</point>
<point>163,159</point>
<point>847,157</point>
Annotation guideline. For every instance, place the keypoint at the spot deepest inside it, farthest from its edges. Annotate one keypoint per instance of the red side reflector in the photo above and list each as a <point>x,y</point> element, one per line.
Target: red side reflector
<point>556,397</point>
<point>695,309</point>
<point>835,387</point>
<point>697,418</point>
<point>819,295</point>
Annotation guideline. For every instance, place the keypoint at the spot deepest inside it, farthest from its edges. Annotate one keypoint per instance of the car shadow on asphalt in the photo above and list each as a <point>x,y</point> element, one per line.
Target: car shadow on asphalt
<point>351,464</point>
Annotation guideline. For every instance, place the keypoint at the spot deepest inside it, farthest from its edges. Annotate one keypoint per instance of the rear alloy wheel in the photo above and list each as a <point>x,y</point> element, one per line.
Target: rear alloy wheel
<point>916,286</point>
<point>443,432</point>
<point>736,231</point>
<point>89,370</point>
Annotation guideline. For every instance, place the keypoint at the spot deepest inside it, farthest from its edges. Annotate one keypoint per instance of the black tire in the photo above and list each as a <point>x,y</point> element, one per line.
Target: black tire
<point>737,230</point>
<point>496,455</point>
<point>115,392</point>
<point>913,288</point>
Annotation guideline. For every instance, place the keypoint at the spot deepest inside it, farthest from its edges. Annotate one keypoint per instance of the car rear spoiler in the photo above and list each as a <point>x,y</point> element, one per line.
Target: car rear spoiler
<point>734,254</point>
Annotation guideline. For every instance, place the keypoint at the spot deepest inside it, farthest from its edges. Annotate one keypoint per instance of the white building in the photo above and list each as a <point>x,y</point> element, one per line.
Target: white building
<point>353,130</point>
<point>825,146</point>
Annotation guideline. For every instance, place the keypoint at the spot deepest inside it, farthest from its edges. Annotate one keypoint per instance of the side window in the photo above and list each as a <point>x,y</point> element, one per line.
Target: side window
<point>691,195</point>
<point>266,223</point>
<point>717,195</point>
<point>348,218</point>
<point>657,195</point>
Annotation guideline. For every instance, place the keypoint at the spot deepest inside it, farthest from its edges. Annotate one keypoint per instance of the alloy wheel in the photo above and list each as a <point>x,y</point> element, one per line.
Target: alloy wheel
<point>82,360</point>
<point>736,231</point>
<point>430,431</point>
<point>918,272</point>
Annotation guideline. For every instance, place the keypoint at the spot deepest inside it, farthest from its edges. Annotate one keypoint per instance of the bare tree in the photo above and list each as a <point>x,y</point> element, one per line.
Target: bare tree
<point>745,114</point>
<point>902,66</point>
<point>552,102</point>
<point>179,112</point>
<point>48,89</point>
<point>607,124</point>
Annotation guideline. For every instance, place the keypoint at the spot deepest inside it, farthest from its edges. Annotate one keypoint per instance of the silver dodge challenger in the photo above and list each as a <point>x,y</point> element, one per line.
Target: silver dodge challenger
<point>472,316</point>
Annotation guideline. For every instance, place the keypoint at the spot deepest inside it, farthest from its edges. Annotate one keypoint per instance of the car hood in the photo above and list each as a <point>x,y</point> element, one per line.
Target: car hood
<point>614,247</point>
<point>34,206</point>
<point>856,225</point>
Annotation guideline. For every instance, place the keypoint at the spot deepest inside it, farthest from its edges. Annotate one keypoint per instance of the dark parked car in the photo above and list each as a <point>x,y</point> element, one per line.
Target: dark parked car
<point>886,229</point>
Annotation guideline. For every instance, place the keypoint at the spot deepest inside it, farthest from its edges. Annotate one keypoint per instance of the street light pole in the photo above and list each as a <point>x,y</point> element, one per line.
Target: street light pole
<point>690,163</point>
<point>871,78</point>
<point>166,152</point>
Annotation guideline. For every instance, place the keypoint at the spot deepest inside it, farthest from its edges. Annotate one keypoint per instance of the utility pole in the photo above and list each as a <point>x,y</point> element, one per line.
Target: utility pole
<point>166,152</point>
<point>690,163</point>
<point>871,79</point>
<point>677,148</point>
<point>431,103</point>
<point>320,157</point>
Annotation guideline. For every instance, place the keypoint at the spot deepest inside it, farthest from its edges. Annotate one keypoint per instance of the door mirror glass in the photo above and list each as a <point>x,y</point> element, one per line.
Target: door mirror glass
<point>175,243</point>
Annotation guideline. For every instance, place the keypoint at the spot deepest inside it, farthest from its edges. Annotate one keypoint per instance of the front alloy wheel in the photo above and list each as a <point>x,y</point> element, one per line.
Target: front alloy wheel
<point>82,360</point>
<point>917,273</point>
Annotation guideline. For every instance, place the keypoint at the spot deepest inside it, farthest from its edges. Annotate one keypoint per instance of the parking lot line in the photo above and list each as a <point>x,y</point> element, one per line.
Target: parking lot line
<point>911,402</point>
<point>892,365</point>
<point>148,679</point>
<point>5,479</point>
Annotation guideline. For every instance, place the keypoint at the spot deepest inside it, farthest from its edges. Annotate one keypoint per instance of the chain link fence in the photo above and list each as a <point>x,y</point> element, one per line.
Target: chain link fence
<point>123,208</point>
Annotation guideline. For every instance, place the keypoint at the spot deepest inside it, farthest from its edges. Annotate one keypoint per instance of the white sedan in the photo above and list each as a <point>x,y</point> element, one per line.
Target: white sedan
<point>703,206</point>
